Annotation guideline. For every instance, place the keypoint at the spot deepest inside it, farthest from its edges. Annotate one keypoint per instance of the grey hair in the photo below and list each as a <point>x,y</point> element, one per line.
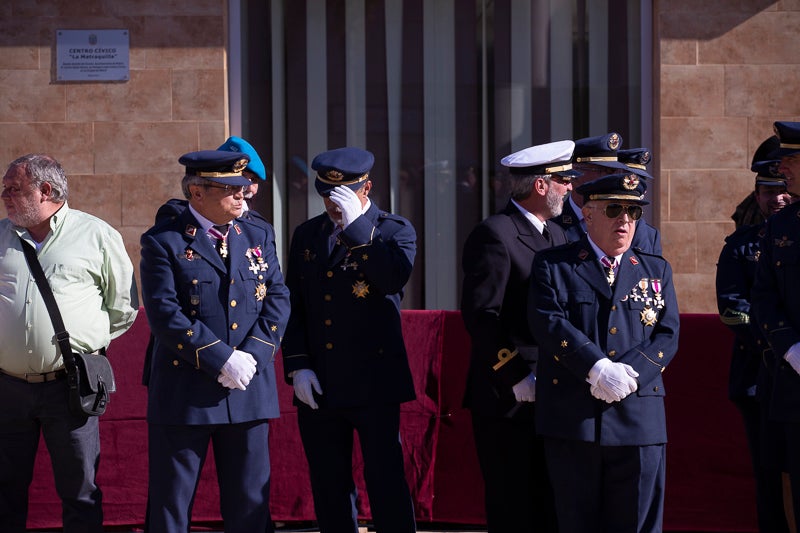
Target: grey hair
<point>521,186</point>
<point>41,168</point>
<point>191,179</point>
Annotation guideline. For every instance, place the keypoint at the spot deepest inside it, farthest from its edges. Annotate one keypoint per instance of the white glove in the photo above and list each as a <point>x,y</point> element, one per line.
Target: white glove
<point>348,203</point>
<point>792,356</point>
<point>225,381</point>
<point>617,380</point>
<point>601,394</point>
<point>303,381</point>
<point>239,369</point>
<point>525,390</point>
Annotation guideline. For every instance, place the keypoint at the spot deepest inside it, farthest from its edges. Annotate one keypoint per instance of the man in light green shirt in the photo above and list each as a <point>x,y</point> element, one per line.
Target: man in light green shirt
<point>88,269</point>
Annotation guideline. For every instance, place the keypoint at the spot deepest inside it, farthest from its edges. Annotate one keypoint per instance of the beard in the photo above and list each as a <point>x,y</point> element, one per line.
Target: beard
<point>555,202</point>
<point>25,215</point>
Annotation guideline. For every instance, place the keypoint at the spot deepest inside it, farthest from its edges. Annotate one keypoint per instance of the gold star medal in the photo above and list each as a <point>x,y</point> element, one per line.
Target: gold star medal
<point>261,291</point>
<point>360,289</point>
<point>648,316</point>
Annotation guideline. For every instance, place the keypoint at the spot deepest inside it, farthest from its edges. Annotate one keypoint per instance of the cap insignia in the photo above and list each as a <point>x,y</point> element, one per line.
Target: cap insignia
<point>240,165</point>
<point>334,175</point>
<point>630,182</point>
<point>613,141</point>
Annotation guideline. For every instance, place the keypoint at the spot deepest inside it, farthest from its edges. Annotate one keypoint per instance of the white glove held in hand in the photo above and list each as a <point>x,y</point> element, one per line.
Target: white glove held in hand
<point>303,381</point>
<point>348,202</point>
<point>792,356</point>
<point>525,390</point>
<point>239,369</point>
<point>616,380</point>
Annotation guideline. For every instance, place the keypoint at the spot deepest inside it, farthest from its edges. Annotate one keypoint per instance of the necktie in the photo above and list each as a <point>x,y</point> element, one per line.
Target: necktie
<point>220,233</point>
<point>610,265</point>
<point>333,240</point>
<point>546,234</point>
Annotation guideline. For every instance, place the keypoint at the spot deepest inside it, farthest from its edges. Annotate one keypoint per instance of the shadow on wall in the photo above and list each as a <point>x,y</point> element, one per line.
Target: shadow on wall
<point>689,19</point>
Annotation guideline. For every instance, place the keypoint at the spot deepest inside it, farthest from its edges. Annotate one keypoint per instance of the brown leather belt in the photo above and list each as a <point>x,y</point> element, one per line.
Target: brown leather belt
<point>37,378</point>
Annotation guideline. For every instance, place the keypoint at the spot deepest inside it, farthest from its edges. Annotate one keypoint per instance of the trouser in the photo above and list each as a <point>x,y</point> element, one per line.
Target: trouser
<point>241,454</point>
<point>605,489</point>
<point>327,436</point>
<point>518,494</point>
<point>31,409</point>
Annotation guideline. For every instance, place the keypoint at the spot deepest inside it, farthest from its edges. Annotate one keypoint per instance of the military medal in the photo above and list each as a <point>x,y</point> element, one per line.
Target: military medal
<point>360,289</point>
<point>261,291</point>
<point>648,316</point>
<point>189,254</point>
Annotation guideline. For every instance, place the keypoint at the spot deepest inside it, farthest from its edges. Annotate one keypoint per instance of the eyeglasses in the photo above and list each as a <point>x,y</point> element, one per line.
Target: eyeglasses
<point>229,189</point>
<point>614,210</point>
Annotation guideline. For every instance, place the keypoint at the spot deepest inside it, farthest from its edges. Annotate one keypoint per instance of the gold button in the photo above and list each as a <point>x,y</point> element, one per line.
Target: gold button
<point>329,273</point>
<point>234,326</point>
<point>180,346</point>
<point>613,330</point>
<point>655,389</point>
<point>231,281</point>
<point>193,312</point>
<point>328,322</point>
<point>613,307</point>
<point>195,282</point>
<point>612,353</point>
<point>260,276</point>
<point>556,358</point>
<point>329,346</point>
<point>233,303</point>
<point>555,381</point>
<point>778,263</point>
<point>328,298</point>
<point>175,362</point>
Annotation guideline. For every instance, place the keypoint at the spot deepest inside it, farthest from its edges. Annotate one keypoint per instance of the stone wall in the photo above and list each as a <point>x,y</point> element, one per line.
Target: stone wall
<point>728,70</point>
<point>118,141</point>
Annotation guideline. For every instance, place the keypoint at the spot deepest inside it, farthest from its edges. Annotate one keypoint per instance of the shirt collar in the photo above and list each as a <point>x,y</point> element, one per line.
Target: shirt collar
<point>600,253</point>
<point>533,219</point>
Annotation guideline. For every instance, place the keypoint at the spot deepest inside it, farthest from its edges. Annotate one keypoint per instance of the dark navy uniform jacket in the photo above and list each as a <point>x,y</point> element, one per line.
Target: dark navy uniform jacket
<point>647,238</point>
<point>198,314</point>
<point>736,271</point>
<point>497,260</point>
<point>776,304</point>
<point>345,321</point>
<point>578,319</point>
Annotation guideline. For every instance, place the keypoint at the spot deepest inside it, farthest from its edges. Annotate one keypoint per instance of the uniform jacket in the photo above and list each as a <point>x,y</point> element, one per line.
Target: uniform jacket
<point>736,270</point>
<point>198,314</point>
<point>775,297</point>
<point>345,321</point>
<point>647,238</point>
<point>497,260</point>
<point>579,319</point>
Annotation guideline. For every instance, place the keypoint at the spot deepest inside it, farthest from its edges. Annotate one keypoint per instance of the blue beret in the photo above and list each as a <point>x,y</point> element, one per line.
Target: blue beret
<point>623,187</point>
<point>600,150</point>
<point>216,165</point>
<point>237,144</point>
<point>636,159</point>
<point>789,136</point>
<point>550,158</point>
<point>342,166</point>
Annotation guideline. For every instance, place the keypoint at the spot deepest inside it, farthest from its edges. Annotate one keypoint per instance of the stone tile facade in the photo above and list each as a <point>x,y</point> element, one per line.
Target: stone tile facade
<point>726,70</point>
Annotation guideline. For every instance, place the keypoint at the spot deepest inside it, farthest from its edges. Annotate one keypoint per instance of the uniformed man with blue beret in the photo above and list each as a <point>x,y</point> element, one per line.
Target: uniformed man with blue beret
<point>255,172</point>
<point>595,157</point>
<point>501,383</point>
<point>752,362</point>
<point>606,320</point>
<point>217,306</point>
<point>343,351</point>
<point>775,297</point>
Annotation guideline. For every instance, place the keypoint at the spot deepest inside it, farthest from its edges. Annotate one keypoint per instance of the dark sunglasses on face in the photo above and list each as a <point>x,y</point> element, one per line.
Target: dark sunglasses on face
<point>614,210</point>
<point>229,189</point>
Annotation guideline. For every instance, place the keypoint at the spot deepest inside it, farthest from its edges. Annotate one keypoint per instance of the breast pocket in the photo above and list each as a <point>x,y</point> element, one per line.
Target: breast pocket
<point>255,287</point>
<point>199,293</point>
<point>579,305</point>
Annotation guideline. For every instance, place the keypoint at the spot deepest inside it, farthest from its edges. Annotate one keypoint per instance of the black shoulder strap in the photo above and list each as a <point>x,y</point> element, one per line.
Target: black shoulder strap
<point>49,300</point>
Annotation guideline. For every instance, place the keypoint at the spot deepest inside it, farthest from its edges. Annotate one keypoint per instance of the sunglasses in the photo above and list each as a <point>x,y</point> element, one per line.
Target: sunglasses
<point>614,210</point>
<point>229,189</point>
